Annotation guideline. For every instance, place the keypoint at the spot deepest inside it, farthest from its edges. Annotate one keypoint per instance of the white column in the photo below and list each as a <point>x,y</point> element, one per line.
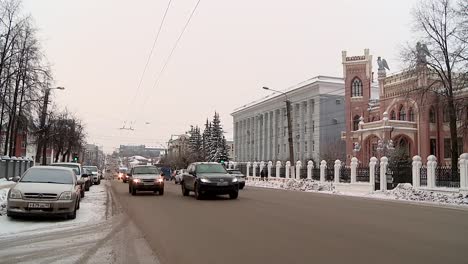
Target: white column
<point>310,165</point>
<point>301,131</point>
<point>337,171</point>
<point>267,140</point>
<point>254,169</point>
<point>383,175</point>
<point>252,140</point>
<point>278,167</point>
<point>274,140</point>
<point>309,124</point>
<point>259,138</point>
<point>270,165</point>
<point>464,172</point>
<point>262,166</point>
<point>248,169</point>
<point>416,173</point>
<point>354,164</point>
<point>323,166</point>
<point>298,169</point>
<point>372,163</point>
<point>431,166</point>
<point>288,167</point>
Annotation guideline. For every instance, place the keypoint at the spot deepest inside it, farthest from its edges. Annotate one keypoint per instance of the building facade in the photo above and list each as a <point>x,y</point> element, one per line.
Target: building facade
<point>398,114</point>
<point>317,109</point>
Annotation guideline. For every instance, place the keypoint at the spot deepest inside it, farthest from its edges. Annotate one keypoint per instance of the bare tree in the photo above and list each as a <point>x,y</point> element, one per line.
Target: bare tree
<point>442,55</point>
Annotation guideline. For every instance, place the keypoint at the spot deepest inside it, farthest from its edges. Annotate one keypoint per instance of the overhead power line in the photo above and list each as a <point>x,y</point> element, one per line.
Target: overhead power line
<point>150,54</point>
<point>158,78</point>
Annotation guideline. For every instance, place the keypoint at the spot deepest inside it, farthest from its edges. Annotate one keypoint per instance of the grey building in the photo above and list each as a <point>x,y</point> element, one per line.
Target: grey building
<point>318,111</point>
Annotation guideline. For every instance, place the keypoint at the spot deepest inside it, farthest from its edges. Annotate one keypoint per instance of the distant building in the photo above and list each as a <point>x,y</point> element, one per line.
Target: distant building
<point>140,150</point>
<point>178,145</point>
<point>261,129</point>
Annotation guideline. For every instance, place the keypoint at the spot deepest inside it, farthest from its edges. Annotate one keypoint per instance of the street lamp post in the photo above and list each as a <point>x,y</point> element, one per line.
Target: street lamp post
<point>42,141</point>
<point>290,135</point>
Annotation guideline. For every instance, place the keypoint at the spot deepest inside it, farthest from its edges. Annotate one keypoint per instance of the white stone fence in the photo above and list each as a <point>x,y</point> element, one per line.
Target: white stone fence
<point>374,170</point>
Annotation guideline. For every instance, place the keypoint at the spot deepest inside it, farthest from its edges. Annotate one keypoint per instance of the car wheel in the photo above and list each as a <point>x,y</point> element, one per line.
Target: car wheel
<point>87,187</point>
<point>134,191</point>
<point>161,192</point>
<point>129,188</point>
<point>82,193</point>
<point>198,195</point>
<point>234,195</point>
<point>185,192</point>
<point>72,215</point>
<point>79,202</point>
<point>241,186</point>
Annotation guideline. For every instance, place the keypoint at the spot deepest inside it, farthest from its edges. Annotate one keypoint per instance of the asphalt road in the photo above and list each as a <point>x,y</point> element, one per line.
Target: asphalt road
<point>274,226</point>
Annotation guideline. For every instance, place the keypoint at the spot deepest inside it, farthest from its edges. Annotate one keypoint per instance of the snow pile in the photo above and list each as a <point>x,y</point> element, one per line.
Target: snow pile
<point>4,182</point>
<point>304,185</point>
<point>3,201</point>
<point>405,191</point>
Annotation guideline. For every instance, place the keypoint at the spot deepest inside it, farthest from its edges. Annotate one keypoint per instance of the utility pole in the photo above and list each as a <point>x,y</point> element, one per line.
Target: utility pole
<point>42,140</point>
<point>290,134</point>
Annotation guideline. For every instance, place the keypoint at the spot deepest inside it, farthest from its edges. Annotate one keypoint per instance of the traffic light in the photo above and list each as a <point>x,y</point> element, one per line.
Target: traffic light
<point>75,157</point>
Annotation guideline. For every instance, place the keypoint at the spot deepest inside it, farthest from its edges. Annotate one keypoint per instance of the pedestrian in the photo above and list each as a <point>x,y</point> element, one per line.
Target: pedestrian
<point>263,174</point>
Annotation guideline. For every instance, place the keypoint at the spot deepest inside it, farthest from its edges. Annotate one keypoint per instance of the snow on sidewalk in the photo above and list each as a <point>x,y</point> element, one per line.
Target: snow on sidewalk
<point>6,184</point>
<point>92,209</point>
<point>403,192</point>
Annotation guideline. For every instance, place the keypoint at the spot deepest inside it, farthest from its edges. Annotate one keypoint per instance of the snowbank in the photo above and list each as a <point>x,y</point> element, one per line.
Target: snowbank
<point>404,192</point>
<point>4,183</point>
<point>92,209</point>
<point>293,184</point>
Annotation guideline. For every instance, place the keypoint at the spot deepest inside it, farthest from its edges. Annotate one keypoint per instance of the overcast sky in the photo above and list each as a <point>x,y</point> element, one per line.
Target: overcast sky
<point>98,50</point>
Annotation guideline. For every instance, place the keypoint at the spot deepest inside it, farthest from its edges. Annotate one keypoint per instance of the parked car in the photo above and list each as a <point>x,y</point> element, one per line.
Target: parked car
<point>80,173</point>
<point>209,178</point>
<point>239,175</point>
<point>95,177</point>
<point>146,178</point>
<point>45,190</point>
<point>178,176</point>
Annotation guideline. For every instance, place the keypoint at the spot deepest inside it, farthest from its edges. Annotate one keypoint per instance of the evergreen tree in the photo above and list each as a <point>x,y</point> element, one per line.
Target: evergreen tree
<point>205,141</point>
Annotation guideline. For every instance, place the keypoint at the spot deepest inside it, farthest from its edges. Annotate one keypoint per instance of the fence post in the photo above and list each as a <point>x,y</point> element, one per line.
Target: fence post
<point>15,164</point>
<point>262,166</point>
<point>254,169</point>
<point>278,169</point>
<point>464,172</point>
<point>270,164</point>
<point>354,164</point>
<point>372,163</point>
<point>417,164</point>
<point>337,171</point>
<point>323,166</point>
<point>310,165</point>
<point>288,167</point>
<point>431,166</point>
<point>248,169</point>
<point>7,167</point>
<point>235,164</point>
<point>383,173</point>
<point>298,169</point>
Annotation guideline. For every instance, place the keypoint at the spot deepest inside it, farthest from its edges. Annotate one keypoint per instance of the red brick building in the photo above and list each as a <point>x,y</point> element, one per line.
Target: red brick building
<point>396,110</point>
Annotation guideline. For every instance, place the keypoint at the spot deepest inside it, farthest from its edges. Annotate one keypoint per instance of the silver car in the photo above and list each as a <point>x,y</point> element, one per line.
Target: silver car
<point>44,191</point>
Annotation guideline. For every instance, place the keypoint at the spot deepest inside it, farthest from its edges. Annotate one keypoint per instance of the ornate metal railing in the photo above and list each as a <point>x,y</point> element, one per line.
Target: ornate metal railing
<point>329,174</point>
<point>316,173</point>
<point>446,178</point>
<point>423,176</point>
<point>362,174</point>
<point>345,174</point>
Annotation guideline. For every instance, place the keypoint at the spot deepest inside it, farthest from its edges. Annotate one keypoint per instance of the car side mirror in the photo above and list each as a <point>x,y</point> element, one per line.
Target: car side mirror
<point>16,178</point>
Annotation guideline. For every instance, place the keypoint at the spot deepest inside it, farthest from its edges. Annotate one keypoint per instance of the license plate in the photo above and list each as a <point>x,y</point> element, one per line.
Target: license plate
<point>39,205</point>
<point>223,183</point>
<point>148,183</point>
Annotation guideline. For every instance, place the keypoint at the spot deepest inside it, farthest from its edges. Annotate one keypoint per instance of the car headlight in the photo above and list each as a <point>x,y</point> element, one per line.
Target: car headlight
<point>65,196</point>
<point>235,179</point>
<point>15,194</point>
<point>205,180</point>
<point>161,179</point>
<point>136,180</point>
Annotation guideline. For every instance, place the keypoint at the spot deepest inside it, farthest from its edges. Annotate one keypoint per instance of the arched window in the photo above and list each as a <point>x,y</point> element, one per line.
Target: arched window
<point>356,122</point>
<point>432,115</point>
<point>402,114</point>
<point>356,88</point>
<point>446,115</point>
<point>392,115</point>
<point>411,115</point>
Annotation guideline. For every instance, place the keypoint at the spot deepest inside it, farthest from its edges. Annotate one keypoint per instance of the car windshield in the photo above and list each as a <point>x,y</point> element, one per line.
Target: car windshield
<point>91,169</point>
<point>210,168</point>
<point>75,168</point>
<point>48,176</point>
<point>146,170</point>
